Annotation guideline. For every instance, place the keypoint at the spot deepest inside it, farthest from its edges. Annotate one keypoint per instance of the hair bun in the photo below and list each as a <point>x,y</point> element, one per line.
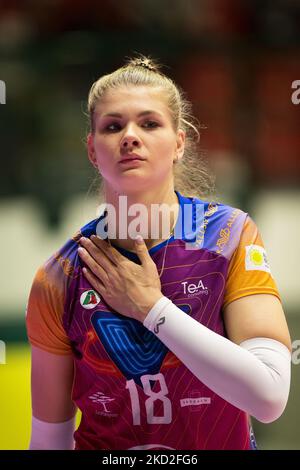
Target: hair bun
<point>143,62</point>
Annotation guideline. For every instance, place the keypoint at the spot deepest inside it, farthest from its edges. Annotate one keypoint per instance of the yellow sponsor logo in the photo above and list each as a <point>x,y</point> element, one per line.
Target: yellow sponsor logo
<point>256,257</point>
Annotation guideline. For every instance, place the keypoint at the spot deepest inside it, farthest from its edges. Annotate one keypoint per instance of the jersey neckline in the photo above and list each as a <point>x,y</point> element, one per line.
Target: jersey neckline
<point>187,235</point>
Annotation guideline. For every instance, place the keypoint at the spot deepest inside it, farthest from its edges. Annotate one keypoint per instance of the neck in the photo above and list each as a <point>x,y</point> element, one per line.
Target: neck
<point>155,226</point>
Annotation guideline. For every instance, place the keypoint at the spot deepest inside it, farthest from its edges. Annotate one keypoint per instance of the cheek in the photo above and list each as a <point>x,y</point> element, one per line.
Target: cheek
<point>103,153</point>
<point>166,150</point>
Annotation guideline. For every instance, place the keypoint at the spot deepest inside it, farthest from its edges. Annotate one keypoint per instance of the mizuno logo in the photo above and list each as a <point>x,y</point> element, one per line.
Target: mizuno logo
<point>160,322</point>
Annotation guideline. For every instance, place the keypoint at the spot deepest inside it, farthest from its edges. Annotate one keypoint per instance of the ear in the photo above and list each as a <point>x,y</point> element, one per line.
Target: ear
<point>180,144</point>
<point>91,150</point>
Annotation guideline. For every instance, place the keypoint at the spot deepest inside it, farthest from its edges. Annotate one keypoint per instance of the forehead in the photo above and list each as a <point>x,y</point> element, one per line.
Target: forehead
<point>133,99</point>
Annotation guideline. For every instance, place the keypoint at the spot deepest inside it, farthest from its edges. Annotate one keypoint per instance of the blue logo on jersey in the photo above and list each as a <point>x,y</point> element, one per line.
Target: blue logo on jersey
<point>134,349</point>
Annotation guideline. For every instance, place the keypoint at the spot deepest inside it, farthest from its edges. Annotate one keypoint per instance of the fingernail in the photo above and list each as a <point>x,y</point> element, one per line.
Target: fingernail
<point>139,239</point>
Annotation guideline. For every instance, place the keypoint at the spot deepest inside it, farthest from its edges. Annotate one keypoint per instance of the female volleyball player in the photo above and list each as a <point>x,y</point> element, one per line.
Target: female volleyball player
<point>169,341</point>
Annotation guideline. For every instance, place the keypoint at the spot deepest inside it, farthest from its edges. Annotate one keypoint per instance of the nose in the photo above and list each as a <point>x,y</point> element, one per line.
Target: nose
<point>130,139</point>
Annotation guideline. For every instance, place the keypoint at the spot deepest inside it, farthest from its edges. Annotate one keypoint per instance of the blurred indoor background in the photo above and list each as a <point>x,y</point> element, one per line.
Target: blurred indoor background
<point>236,60</point>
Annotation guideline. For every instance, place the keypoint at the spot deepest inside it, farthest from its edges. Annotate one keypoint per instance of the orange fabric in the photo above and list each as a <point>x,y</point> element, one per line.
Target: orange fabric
<point>45,310</point>
<point>241,282</point>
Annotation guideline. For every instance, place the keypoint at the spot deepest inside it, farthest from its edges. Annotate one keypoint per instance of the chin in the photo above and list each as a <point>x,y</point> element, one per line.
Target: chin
<point>133,185</point>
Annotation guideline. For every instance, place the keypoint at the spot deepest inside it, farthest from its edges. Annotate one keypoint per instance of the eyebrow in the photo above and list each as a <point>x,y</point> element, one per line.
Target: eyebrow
<point>143,113</point>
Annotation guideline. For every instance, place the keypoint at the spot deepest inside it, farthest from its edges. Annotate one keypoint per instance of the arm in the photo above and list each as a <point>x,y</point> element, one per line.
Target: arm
<point>253,376</point>
<point>256,316</point>
<point>53,411</point>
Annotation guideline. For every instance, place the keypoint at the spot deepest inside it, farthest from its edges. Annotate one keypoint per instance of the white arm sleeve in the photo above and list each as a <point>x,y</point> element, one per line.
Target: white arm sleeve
<point>52,436</point>
<point>254,376</point>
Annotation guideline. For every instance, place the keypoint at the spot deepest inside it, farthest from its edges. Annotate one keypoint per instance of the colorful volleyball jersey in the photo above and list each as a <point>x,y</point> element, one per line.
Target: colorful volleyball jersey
<point>133,392</point>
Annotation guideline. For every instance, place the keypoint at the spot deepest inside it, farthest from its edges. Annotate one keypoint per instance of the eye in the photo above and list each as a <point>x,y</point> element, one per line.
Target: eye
<point>150,124</point>
<point>113,127</point>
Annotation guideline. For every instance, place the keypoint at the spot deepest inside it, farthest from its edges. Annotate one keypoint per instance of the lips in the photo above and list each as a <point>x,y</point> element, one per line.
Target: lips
<point>130,157</point>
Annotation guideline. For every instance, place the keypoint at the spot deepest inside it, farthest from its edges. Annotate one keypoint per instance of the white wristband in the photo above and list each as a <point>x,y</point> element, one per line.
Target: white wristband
<point>52,436</point>
<point>254,376</point>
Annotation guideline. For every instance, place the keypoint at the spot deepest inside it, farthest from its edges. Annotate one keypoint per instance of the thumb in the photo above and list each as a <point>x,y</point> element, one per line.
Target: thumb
<point>141,249</point>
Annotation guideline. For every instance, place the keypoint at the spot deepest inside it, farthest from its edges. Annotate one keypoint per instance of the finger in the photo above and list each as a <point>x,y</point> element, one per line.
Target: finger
<point>94,281</point>
<point>111,252</point>
<point>142,250</point>
<point>96,253</point>
<point>93,265</point>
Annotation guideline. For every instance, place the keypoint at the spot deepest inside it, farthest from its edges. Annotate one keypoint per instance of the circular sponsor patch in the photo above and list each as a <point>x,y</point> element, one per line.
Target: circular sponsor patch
<point>256,257</point>
<point>89,299</point>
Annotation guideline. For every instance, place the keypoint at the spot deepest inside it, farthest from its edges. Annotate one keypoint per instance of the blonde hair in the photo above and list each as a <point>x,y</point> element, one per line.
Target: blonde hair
<point>191,175</point>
